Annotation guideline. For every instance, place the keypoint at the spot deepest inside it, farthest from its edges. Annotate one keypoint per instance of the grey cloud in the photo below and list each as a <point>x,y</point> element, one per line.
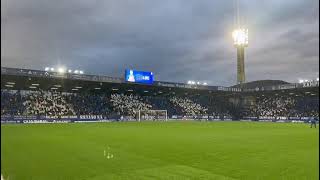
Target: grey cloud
<point>177,39</point>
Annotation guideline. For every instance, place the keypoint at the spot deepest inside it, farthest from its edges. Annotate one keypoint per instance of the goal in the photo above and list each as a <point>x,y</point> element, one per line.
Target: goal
<point>152,115</point>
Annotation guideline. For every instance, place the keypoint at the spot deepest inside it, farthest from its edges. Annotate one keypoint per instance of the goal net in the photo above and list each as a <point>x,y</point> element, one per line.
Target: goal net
<point>152,115</point>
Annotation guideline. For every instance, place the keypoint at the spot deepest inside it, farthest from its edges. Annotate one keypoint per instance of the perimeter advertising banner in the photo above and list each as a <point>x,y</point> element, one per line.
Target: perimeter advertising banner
<point>138,76</point>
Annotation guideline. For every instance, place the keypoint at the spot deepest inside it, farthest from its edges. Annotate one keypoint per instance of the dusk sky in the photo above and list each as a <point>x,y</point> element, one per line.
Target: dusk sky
<point>178,40</point>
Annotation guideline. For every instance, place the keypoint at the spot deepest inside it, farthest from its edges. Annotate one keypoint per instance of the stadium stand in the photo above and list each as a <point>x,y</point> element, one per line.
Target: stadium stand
<point>128,104</point>
<point>89,104</point>
<point>273,106</point>
<point>188,107</point>
<point>47,103</point>
<point>76,97</point>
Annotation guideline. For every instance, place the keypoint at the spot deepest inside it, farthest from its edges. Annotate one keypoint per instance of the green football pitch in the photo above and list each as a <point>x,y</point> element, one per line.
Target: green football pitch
<point>160,150</point>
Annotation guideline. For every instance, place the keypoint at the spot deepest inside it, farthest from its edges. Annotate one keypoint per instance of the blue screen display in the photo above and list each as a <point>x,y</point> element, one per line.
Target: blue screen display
<point>139,76</point>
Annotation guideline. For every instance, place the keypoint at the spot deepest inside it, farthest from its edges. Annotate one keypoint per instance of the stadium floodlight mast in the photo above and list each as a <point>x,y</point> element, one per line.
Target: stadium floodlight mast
<point>240,41</point>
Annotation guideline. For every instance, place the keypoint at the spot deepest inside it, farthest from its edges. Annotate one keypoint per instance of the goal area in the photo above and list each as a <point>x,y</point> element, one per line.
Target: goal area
<point>152,115</point>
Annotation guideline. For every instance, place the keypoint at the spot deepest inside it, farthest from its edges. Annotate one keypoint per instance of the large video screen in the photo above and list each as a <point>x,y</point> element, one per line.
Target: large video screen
<point>138,76</point>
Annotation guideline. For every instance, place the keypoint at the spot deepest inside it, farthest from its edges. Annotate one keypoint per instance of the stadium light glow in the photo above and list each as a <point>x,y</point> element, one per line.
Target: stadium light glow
<point>317,79</point>
<point>191,82</point>
<point>301,80</point>
<point>205,83</point>
<point>61,70</point>
<point>240,37</point>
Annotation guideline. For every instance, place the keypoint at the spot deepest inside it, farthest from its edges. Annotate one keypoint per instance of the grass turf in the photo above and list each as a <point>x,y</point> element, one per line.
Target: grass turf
<point>160,150</point>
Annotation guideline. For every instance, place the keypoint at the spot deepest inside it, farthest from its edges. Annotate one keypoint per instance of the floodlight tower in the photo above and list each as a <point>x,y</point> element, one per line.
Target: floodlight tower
<point>240,41</point>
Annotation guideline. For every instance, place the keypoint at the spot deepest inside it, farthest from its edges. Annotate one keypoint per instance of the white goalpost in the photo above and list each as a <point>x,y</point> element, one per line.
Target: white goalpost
<point>152,115</point>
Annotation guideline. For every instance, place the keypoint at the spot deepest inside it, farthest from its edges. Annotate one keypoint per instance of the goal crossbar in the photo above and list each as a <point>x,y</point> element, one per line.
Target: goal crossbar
<point>140,112</point>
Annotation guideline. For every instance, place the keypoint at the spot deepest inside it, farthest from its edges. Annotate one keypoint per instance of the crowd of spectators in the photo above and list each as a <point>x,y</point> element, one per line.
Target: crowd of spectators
<point>47,104</point>
<point>273,106</point>
<point>160,103</point>
<point>89,104</point>
<point>128,104</point>
<point>11,103</point>
<point>284,106</point>
<point>51,103</point>
<point>307,107</point>
<point>188,107</point>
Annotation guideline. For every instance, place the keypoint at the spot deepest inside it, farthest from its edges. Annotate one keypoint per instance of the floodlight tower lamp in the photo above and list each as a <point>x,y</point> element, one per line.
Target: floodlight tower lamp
<point>240,37</point>
<point>240,41</point>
